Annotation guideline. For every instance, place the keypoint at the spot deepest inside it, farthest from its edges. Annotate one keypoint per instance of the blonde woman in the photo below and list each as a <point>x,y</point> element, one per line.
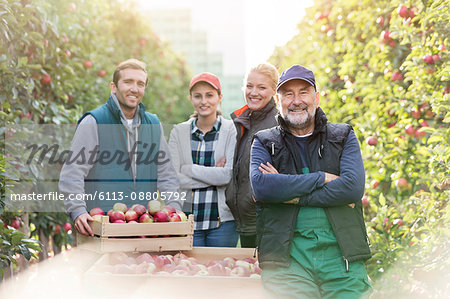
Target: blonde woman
<point>258,114</point>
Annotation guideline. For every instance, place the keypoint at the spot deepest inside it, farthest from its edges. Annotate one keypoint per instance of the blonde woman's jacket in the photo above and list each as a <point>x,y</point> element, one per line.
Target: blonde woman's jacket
<point>193,176</point>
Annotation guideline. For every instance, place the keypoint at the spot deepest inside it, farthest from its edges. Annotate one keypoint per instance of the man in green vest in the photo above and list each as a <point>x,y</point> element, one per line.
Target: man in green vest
<point>121,153</point>
<point>307,176</point>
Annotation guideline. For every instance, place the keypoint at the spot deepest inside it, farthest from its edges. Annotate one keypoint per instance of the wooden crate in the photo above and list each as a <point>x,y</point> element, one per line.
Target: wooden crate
<point>170,286</point>
<point>127,237</point>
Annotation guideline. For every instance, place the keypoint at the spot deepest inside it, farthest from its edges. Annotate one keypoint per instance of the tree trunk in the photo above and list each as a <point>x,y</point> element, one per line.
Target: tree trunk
<point>43,255</point>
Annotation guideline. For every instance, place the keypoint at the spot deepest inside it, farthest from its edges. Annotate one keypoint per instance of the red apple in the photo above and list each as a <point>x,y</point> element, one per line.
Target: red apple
<point>169,210</point>
<point>68,54</point>
<point>402,184</point>
<point>429,114</point>
<point>161,217</point>
<point>174,217</point>
<point>154,206</point>
<point>142,41</point>
<point>120,207</point>
<point>139,209</point>
<point>131,216</point>
<point>145,257</point>
<point>15,223</point>
<point>397,76</point>
<point>398,222</point>
<point>182,215</point>
<point>117,215</point>
<point>386,36</point>
<point>244,264</point>
<point>257,269</point>
<point>415,113</point>
<point>231,262</point>
<point>87,64</point>
<point>365,201</point>
<point>142,268</point>
<point>178,257</point>
<point>240,272</point>
<point>380,21</point>
<point>436,58</point>
<point>96,211</point>
<point>420,134</point>
<point>46,79</point>
<point>67,226</point>
<point>403,11</point>
<point>428,59</point>
<point>161,260</point>
<point>372,141</point>
<point>101,73</point>
<point>217,270</point>
<point>119,221</point>
<point>374,184</point>
<point>441,47</point>
<point>424,123</point>
<point>57,229</point>
<point>109,213</point>
<point>146,218</point>
<point>410,130</point>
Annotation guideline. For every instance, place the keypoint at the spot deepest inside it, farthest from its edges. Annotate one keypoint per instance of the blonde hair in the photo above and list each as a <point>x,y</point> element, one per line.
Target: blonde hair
<point>266,69</point>
<point>129,64</point>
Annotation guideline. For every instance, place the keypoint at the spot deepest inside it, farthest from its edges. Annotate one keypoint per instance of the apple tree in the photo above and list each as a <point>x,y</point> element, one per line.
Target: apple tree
<point>382,66</point>
<point>56,61</point>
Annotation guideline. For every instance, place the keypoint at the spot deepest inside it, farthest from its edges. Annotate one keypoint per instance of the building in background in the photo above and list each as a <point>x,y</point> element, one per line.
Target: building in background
<point>175,25</point>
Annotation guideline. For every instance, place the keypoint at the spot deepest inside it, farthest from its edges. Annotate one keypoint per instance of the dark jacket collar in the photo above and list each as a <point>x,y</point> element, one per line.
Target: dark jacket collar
<point>244,114</point>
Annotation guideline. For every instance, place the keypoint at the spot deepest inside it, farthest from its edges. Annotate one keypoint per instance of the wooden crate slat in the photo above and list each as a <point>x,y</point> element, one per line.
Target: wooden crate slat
<point>178,236</point>
<point>106,229</point>
<point>106,245</point>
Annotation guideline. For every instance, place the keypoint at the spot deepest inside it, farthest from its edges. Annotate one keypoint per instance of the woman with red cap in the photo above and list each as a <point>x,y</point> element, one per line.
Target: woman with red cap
<point>202,150</point>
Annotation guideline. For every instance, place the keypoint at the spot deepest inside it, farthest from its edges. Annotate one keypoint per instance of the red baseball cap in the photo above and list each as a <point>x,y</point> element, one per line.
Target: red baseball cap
<point>209,78</point>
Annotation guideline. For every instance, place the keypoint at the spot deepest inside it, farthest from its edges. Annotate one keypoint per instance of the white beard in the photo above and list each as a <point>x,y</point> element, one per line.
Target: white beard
<point>299,122</point>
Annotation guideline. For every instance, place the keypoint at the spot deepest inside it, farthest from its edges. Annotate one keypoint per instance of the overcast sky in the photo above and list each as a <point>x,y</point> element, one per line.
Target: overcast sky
<point>246,31</point>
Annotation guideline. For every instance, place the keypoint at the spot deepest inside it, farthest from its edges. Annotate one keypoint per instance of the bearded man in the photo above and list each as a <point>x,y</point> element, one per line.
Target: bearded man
<point>307,178</point>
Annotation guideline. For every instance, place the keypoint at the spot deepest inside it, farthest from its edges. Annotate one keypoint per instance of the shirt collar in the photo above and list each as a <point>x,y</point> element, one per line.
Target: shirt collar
<point>215,127</point>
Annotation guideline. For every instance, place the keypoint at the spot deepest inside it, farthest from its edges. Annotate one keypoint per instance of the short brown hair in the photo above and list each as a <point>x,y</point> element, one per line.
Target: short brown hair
<point>129,64</point>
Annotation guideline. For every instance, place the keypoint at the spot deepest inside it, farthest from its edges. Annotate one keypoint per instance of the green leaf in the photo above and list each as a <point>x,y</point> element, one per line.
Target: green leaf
<point>25,252</point>
<point>16,239</point>
<point>382,200</point>
<point>5,257</point>
<point>22,61</point>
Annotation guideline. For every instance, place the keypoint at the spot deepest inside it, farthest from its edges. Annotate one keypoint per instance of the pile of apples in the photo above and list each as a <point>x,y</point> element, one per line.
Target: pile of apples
<point>137,213</point>
<point>179,265</point>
